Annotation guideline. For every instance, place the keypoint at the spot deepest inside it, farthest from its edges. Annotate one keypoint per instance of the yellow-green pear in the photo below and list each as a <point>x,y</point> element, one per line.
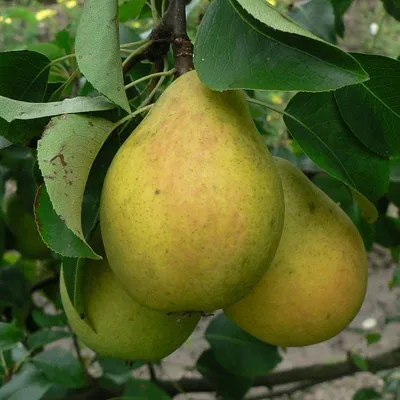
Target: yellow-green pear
<point>122,327</point>
<point>192,206</point>
<point>317,281</point>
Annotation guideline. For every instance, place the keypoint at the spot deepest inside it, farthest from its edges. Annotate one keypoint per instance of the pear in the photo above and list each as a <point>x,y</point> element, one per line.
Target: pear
<point>21,222</point>
<point>122,327</point>
<point>317,281</point>
<point>192,206</point>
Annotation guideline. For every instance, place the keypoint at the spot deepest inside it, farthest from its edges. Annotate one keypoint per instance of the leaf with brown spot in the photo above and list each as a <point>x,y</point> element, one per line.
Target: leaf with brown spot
<point>65,155</point>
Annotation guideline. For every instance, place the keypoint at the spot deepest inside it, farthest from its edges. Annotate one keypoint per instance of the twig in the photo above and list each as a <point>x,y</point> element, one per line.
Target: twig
<point>80,358</point>
<point>171,30</point>
<point>306,375</point>
<point>130,116</point>
<point>319,373</point>
<point>154,91</point>
<point>52,280</point>
<point>135,55</point>
<point>152,372</point>
<point>147,77</point>
<point>277,393</point>
<point>174,23</point>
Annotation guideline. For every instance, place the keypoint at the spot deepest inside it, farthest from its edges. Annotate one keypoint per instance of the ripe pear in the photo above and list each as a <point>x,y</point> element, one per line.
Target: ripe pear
<point>21,222</point>
<point>192,206</point>
<point>122,327</point>
<point>317,281</point>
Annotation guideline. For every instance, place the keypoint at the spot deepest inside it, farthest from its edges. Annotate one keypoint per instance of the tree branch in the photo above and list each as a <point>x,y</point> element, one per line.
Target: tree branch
<point>52,280</point>
<point>320,373</point>
<point>308,376</point>
<point>171,30</point>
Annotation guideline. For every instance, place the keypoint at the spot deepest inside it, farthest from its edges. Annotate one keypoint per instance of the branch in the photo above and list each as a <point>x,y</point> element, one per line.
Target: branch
<point>79,355</point>
<point>52,280</point>
<point>175,21</point>
<point>320,373</point>
<point>171,30</point>
<point>309,376</point>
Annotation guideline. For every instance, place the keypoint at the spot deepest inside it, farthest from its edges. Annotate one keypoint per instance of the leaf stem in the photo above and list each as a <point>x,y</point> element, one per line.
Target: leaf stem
<point>154,12</point>
<point>7,372</point>
<point>163,7</point>
<point>61,89</point>
<point>130,116</point>
<point>133,44</point>
<point>57,60</point>
<point>136,52</point>
<point>159,83</point>
<point>145,78</point>
<point>266,105</point>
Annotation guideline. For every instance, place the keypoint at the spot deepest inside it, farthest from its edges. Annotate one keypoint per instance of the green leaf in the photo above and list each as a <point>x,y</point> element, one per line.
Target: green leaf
<point>22,13</point>
<point>343,196</point>
<point>60,366</point>
<point>268,15</point>
<point>395,169</point>
<point>46,336</point>
<point>395,282</point>
<point>48,320</point>
<point>340,7</point>
<point>22,132</point>
<point>64,41</point>
<point>130,9</point>
<point>11,110</point>
<point>359,361</point>
<point>393,193</point>
<point>53,230</point>
<point>113,368</point>
<point>97,50</point>
<point>65,154</point>
<point>50,50</point>
<point>392,7</point>
<point>318,17</point>
<point>10,336</point>
<point>239,352</point>
<point>73,269</point>
<point>228,385</point>
<point>139,389</point>
<point>373,337</point>
<point>372,109</point>
<point>367,394</point>
<point>23,76</point>
<point>14,289</point>
<point>388,231</point>
<point>317,126</point>
<point>30,384</point>
<point>261,57</point>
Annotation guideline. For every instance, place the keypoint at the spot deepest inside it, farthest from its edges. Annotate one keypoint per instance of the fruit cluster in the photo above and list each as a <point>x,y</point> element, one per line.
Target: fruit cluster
<point>196,215</point>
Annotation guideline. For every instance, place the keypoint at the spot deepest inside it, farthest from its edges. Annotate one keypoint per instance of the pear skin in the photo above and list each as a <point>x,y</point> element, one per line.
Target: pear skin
<point>192,206</point>
<point>317,281</point>
<point>123,328</point>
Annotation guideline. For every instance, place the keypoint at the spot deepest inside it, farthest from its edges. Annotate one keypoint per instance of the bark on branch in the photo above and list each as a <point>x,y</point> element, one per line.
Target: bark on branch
<point>171,31</point>
<point>313,374</point>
